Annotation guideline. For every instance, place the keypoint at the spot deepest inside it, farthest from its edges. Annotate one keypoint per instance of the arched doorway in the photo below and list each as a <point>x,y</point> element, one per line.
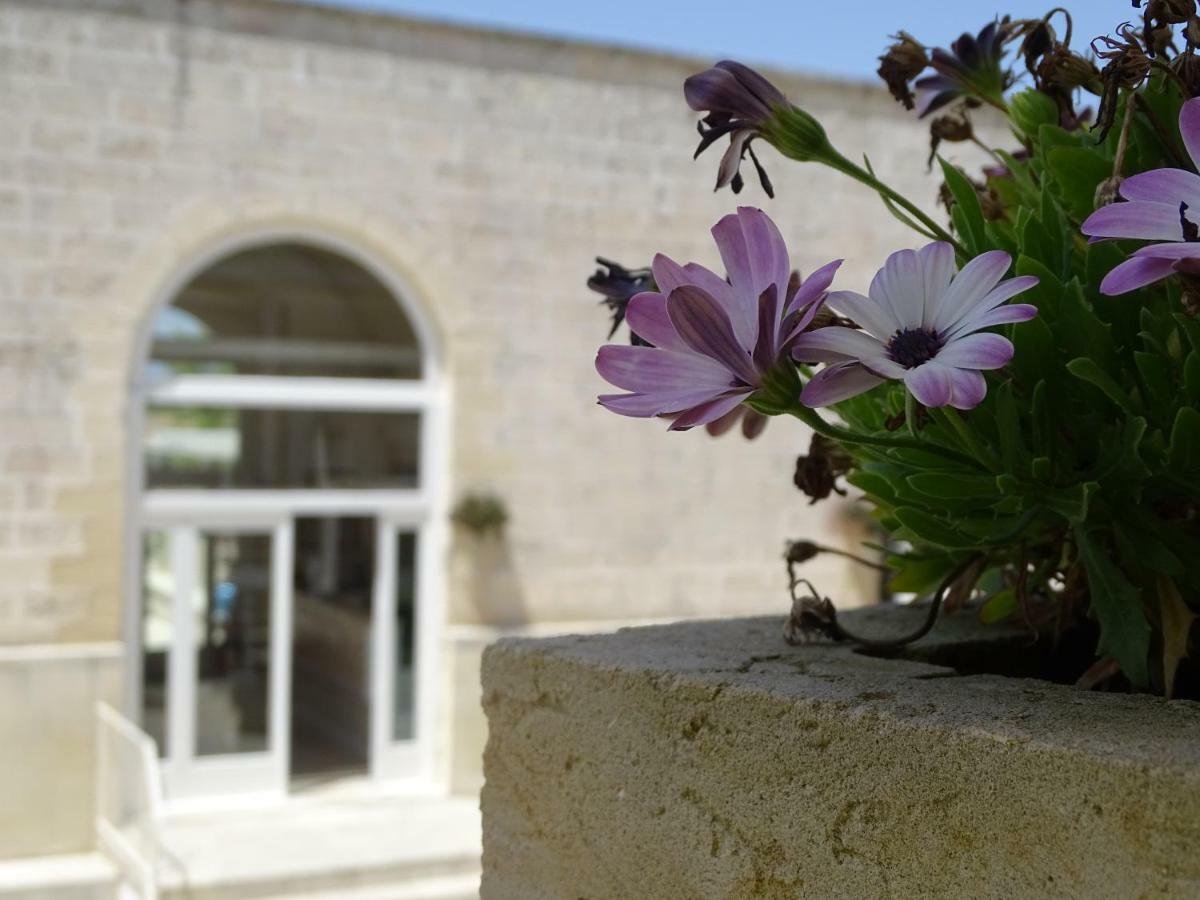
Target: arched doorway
<point>287,446</point>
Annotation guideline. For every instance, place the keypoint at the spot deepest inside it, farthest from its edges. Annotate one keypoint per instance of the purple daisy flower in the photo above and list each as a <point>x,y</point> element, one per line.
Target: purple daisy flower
<point>714,340</point>
<point>921,325</point>
<point>1163,205</point>
<point>972,67</point>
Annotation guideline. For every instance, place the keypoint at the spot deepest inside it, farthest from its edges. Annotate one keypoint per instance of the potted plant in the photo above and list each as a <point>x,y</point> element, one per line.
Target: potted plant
<point>1017,399</point>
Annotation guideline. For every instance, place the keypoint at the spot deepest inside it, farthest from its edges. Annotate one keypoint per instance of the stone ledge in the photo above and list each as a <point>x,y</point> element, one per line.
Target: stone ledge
<point>709,759</point>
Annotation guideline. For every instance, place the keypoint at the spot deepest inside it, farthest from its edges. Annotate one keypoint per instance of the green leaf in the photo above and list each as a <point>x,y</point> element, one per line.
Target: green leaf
<point>1071,503</point>
<point>998,607</point>
<point>1008,427</point>
<point>1184,453</point>
<point>953,487</point>
<point>1156,376</point>
<point>1177,622</point>
<point>919,576</point>
<point>1086,369</point>
<point>1078,172</point>
<point>1191,376</point>
<point>1030,109</point>
<point>1140,544</point>
<point>966,200</point>
<point>1124,631</point>
<point>930,530</point>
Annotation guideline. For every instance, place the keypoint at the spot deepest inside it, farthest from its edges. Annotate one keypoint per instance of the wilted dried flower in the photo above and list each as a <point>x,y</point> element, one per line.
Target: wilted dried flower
<point>818,472</point>
<point>1127,67</point>
<point>618,286</point>
<point>902,62</point>
<point>737,102</point>
<point>952,128</point>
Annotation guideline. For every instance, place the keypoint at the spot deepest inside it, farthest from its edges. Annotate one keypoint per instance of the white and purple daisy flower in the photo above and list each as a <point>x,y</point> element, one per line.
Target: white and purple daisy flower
<point>921,324</point>
<point>1162,205</point>
<point>714,340</point>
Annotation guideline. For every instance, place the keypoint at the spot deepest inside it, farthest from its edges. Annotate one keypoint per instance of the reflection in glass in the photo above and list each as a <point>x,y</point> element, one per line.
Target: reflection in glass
<point>279,448</point>
<point>286,309</point>
<point>331,645</point>
<point>404,693</point>
<point>232,624</point>
<point>158,596</point>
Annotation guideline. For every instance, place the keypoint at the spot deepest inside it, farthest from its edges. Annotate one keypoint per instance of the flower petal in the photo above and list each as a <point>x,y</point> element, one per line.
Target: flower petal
<point>929,383</point>
<point>647,317</point>
<point>834,344</point>
<point>753,424</point>
<point>1136,272</point>
<point>997,295</point>
<point>1001,315</point>
<point>718,427</point>
<point>972,283</point>
<point>977,351</point>
<point>836,383</point>
<point>705,327</point>
<point>643,406</point>
<point>875,318</point>
<point>755,256</point>
<point>813,286</point>
<point>967,388</point>
<point>708,411</point>
<point>650,370</point>
<point>1139,219</point>
<point>937,262</point>
<point>900,287</point>
<point>1189,129</point>
<point>1164,186</point>
<point>1190,250</point>
<point>731,159</point>
<point>766,351</point>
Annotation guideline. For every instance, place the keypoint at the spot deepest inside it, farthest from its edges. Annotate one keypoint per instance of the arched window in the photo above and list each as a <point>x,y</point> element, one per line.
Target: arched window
<point>287,398</point>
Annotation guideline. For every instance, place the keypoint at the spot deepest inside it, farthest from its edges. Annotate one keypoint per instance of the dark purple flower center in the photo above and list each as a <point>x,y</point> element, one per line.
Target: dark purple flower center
<point>913,346</point>
<point>1191,231</point>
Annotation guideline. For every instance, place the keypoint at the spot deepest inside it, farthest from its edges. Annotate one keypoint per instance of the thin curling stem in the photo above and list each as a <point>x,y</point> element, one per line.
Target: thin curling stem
<point>839,633</point>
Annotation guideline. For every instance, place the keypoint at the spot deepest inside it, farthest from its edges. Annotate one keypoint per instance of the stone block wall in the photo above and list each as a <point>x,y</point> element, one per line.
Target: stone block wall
<point>488,169</point>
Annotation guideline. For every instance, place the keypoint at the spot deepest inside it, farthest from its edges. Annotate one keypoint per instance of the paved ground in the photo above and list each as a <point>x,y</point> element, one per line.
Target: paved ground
<point>343,843</point>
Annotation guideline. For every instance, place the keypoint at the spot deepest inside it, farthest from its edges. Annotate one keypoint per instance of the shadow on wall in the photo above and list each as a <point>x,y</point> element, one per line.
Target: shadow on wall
<point>484,572</point>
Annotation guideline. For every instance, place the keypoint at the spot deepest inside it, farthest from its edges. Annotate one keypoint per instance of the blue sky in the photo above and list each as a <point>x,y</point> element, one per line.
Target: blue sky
<point>836,37</point>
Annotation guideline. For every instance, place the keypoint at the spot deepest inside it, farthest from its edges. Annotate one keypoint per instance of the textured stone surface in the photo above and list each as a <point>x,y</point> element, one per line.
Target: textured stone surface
<point>712,760</point>
<point>488,170</point>
<point>485,169</point>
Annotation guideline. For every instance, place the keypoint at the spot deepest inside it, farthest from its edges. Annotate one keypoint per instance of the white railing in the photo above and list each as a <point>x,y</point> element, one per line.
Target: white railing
<point>128,801</point>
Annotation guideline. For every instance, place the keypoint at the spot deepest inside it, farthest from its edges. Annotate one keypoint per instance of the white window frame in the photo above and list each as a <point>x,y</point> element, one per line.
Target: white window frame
<point>423,510</point>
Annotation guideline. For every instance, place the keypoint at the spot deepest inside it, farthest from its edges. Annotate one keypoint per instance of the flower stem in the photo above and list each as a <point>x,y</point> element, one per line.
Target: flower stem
<point>813,420</point>
<point>862,175</point>
<point>967,437</point>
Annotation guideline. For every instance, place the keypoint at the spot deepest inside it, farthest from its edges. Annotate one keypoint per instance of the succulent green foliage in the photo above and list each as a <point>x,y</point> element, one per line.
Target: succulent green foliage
<point>1083,488</point>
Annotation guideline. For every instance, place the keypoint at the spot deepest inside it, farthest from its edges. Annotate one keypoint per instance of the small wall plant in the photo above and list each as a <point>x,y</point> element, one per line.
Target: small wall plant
<point>1017,398</point>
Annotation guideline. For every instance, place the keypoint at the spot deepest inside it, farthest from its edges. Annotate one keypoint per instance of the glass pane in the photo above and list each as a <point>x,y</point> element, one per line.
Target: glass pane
<point>232,622</point>
<point>404,694</point>
<point>280,448</point>
<point>158,631</point>
<point>285,310</point>
<point>331,646</point>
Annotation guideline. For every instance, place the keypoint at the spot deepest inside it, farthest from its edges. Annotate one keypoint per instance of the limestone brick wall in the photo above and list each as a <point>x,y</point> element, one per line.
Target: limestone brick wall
<point>488,170</point>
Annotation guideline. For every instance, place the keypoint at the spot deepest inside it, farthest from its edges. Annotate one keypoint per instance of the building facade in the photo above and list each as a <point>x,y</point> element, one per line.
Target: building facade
<point>283,284</point>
